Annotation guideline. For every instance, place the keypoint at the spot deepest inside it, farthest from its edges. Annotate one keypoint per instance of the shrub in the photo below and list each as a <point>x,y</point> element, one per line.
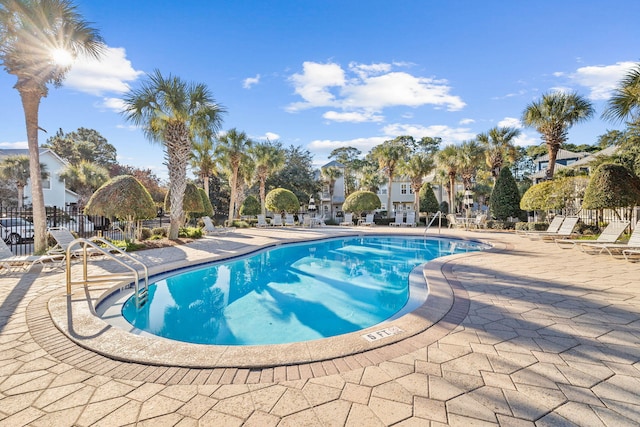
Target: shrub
<point>612,186</point>
<point>250,206</point>
<point>206,204</point>
<point>505,198</point>
<point>444,207</point>
<point>428,200</point>
<point>192,201</point>
<point>281,199</point>
<point>190,232</point>
<point>122,197</point>
<point>145,233</point>
<point>361,201</point>
<point>159,231</point>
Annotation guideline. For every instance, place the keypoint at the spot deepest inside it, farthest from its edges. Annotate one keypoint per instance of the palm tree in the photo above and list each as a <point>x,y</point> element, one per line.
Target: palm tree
<point>448,161</point>
<point>416,168</point>
<point>625,101</point>
<point>35,37</point>
<point>552,116</point>
<point>498,146</point>
<point>232,152</point>
<point>202,161</point>
<point>174,113</point>
<point>268,159</point>
<point>389,154</point>
<point>470,156</point>
<point>16,169</point>
<point>330,175</point>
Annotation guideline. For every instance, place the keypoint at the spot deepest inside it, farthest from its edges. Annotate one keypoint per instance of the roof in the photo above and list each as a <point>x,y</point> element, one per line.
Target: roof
<point>609,151</point>
<point>562,154</point>
<point>6,152</point>
<point>333,163</point>
<point>543,173</point>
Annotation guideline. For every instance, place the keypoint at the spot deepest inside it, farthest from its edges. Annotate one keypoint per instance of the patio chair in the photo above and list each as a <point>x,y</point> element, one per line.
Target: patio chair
<point>288,220</point>
<point>277,221</point>
<point>262,221</point>
<point>410,220</point>
<point>64,238</point>
<point>13,263</point>
<point>611,248</point>
<point>399,220</point>
<point>211,229</point>
<point>480,221</point>
<point>565,230</point>
<point>610,234</point>
<point>348,220</point>
<point>453,221</point>
<point>553,227</point>
<point>368,220</point>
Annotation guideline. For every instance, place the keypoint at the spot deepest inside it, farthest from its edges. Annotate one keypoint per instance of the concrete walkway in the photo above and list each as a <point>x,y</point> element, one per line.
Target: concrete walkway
<point>537,336</point>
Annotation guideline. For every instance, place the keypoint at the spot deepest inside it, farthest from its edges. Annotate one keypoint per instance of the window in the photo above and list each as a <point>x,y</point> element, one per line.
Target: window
<point>403,188</point>
<point>410,190</point>
<point>46,184</point>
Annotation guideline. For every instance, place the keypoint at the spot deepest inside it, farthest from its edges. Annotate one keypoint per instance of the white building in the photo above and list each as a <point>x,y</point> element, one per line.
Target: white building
<point>54,190</point>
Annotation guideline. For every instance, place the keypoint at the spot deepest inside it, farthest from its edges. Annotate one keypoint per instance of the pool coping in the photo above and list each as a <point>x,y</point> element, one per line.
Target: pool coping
<point>90,332</point>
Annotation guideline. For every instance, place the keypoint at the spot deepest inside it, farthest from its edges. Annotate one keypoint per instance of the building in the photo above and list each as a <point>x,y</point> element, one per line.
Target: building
<point>564,158</point>
<point>53,188</point>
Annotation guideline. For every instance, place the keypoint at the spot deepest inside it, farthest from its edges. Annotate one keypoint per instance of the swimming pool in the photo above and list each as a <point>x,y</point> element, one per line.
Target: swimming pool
<point>291,293</point>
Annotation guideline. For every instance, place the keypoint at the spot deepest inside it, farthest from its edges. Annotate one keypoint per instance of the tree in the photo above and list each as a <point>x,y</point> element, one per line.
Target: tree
<point>268,159</point>
<point>389,154</point>
<point>250,207</point>
<point>612,186</point>
<point>469,158</point>
<point>361,201</point>
<point>552,116</point>
<point>147,178</point>
<point>505,197</point>
<point>428,200</point>
<point>624,104</point>
<point>499,147</point>
<point>348,157</point>
<point>191,202</point>
<point>84,178</point>
<point>447,159</point>
<point>124,198</point>
<point>174,113</point>
<point>202,160</point>
<point>83,145</point>
<point>38,41</point>
<point>297,175</point>
<point>330,175</point>
<point>231,153</point>
<point>281,200</point>
<point>416,168</point>
<point>207,208</point>
<point>16,169</point>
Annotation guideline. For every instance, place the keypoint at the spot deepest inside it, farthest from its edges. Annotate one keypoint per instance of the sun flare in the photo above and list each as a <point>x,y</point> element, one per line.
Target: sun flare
<point>62,57</point>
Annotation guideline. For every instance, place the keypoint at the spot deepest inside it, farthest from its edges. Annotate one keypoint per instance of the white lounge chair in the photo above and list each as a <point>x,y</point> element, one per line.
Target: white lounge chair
<point>64,238</point>
<point>565,230</point>
<point>610,234</point>
<point>211,229</point>
<point>453,221</point>
<point>399,220</point>
<point>368,220</point>
<point>288,220</point>
<point>553,227</point>
<point>262,221</point>
<point>611,248</point>
<point>277,220</point>
<point>480,221</point>
<point>12,263</point>
<point>348,220</point>
<point>410,220</point>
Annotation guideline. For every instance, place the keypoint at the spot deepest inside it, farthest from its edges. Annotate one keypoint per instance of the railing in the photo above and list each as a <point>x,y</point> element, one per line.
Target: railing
<point>98,244</point>
<point>436,215</point>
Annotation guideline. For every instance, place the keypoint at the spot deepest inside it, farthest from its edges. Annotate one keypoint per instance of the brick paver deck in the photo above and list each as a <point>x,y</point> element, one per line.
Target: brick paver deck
<point>536,335</point>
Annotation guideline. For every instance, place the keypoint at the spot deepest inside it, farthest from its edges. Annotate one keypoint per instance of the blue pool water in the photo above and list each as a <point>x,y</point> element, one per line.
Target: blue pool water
<point>290,293</point>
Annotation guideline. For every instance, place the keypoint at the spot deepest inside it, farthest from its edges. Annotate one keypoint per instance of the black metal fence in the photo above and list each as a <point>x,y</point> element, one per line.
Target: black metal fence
<point>16,226</point>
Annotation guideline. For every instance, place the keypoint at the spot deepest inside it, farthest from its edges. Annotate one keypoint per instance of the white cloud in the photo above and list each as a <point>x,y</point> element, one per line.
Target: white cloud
<point>352,117</point>
<point>363,91</point>
<point>111,73</point>
<point>250,81</point>
<point>448,134</point>
<point>14,145</point>
<point>466,121</point>
<point>601,79</point>
<point>271,136</point>
<point>525,140</point>
<point>115,104</point>
<point>322,148</point>
<point>511,122</point>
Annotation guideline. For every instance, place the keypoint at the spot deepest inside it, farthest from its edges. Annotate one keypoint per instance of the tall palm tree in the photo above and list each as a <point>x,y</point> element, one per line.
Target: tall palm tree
<point>498,145</point>
<point>416,168</point>
<point>625,102</point>
<point>16,169</point>
<point>389,154</point>
<point>231,152</point>
<point>202,160</point>
<point>448,161</point>
<point>174,113</point>
<point>470,156</point>
<point>552,116</point>
<point>268,159</point>
<point>38,41</point>
<point>330,175</point>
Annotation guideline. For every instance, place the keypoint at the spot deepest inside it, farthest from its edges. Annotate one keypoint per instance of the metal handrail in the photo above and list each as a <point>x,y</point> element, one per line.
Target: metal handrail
<point>436,215</point>
<point>94,243</point>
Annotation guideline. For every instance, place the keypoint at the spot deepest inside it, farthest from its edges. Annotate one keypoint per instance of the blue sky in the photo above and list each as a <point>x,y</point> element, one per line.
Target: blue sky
<point>326,74</point>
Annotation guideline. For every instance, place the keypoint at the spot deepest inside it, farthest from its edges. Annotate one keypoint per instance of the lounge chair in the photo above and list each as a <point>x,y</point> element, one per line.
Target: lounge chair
<point>565,230</point>
<point>262,221</point>
<point>11,263</point>
<point>288,220</point>
<point>480,221</point>
<point>631,254</point>
<point>610,234</point>
<point>453,221</point>
<point>399,220</point>
<point>211,229</point>
<point>368,220</point>
<point>611,248</point>
<point>277,220</point>
<point>553,227</point>
<point>348,220</point>
<point>410,220</point>
<point>64,238</point>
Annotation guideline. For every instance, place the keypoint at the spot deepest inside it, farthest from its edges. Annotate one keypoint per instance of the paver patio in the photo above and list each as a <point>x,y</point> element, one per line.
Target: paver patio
<point>537,335</point>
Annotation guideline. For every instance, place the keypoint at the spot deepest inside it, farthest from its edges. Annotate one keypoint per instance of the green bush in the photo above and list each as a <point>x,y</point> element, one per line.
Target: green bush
<point>281,200</point>
<point>160,231</point>
<point>428,200</point>
<point>612,186</point>
<point>206,204</point>
<point>145,233</point>
<point>361,201</point>
<point>250,206</point>
<point>505,197</point>
<point>124,198</point>
<point>190,232</point>
<point>192,201</point>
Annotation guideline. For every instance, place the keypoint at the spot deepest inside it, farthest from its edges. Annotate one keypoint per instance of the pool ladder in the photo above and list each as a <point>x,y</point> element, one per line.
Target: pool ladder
<point>439,215</point>
<point>87,247</point>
